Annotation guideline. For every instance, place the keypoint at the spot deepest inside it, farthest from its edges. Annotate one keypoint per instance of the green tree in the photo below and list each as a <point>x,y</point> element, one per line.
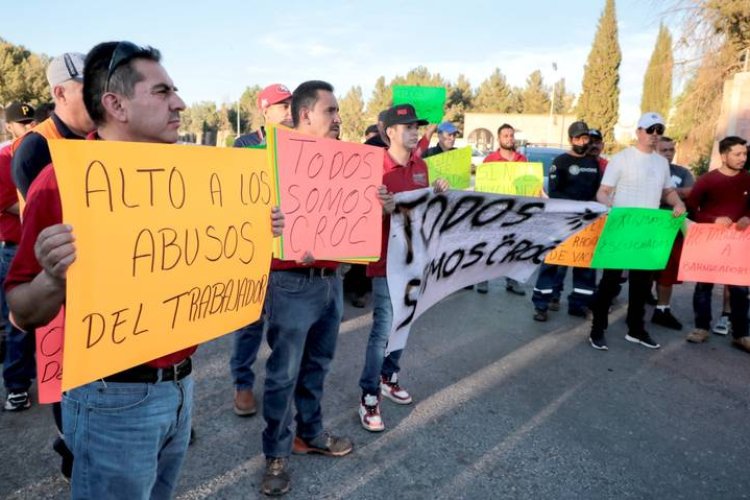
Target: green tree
<point>253,119</point>
<point>535,96</point>
<point>600,96</point>
<point>381,99</point>
<point>657,83</point>
<point>563,99</point>
<point>720,31</point>
<point>459,100</point>
<point>351,108</point>
<point>22,75</point>
<point>495,95</point>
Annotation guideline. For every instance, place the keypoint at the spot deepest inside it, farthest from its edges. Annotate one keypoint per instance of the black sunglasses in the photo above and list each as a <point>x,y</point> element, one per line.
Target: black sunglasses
<point>122,53</point>
<point>657,129</point>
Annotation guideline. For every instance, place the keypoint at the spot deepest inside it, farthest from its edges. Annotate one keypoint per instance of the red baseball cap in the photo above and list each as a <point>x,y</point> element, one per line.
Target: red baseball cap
<point>273,94</point>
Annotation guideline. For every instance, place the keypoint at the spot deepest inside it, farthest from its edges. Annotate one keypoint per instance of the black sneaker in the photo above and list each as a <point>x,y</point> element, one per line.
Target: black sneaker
<point>598,343</point>
<point>540,315</point>
<point>276,481</point>
<point>666,319</point>
<point>644,339</point>
<point>17,401</point>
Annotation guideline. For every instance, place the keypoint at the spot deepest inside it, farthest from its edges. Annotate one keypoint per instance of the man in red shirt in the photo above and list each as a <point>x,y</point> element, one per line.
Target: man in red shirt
<point>403,170</point>
<point>303,313</point>
<point>506,151</point>
<point>722,196</point>
<point>135,447</point>
<point>18,348</point>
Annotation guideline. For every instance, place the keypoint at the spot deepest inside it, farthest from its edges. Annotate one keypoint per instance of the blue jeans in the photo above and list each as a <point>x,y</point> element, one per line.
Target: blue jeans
<point>129,439</point>
<point>550,283</point>
<point>376,362</point>
<point>246,344</point>
<point>303,315</point>
<point>738,302</point>
<point>19,367</point>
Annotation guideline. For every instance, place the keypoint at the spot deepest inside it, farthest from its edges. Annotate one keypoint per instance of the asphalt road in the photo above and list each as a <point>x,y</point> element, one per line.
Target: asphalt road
<point>504,408</point>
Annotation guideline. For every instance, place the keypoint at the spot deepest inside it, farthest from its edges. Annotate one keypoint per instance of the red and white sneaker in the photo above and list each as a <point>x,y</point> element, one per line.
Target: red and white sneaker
<point>369,413</point>
<point>390,389</point>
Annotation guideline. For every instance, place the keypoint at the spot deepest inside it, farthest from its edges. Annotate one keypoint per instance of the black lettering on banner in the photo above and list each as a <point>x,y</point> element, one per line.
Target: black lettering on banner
<point>355,194</point>
<point>477,252</point>
<point>478,219</point>
<point>217,298</point>
<point>409,302</point>
<point>330,201</point>
<point>176,188</point>
<point>333,173</point>
<point>293,230</point>
<point>455,216</point>
<point>366,160</point>
<point>358,158</point>
<point>525,212</point>
<point>308,207</point>
<point>165,245</point>
<point>440,200</point>
<point>122,191</point>
<point>368,199</point>
<point>148,252</point>
<point>354,228</point>
<point>150,172</point>
<point>247,238</point>
<point>97,327</point>
<point>266,183</point>
<point>210,232</point>
<point>322,222</point>
<point>317,157</point>
<point>52,369</point>
<point>290,211</point>
<point>459,257</point>
<point>301,148</point>
<point>342,224</point>
<point>90,189</point>
<point>215,189</point>
<point>508,240</point>
<point>230,248</point>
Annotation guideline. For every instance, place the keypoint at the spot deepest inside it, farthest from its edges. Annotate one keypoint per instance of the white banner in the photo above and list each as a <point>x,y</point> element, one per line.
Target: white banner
<point>440,243</point>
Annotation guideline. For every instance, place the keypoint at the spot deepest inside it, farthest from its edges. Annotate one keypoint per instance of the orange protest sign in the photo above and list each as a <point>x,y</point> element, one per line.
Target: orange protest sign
<point>327,190</point>
<point>49,359</point>
<point>173,249</point>
<point>578,249</point>
<point>714,254</point>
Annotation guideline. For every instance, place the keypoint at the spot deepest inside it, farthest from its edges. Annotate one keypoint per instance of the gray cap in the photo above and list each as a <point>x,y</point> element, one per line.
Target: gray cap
<point>68,66</point>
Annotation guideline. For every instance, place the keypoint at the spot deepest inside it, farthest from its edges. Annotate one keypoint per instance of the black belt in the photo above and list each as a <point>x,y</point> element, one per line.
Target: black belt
<point>8,244</point>
<point>150,375</point>
<point>312,272</point>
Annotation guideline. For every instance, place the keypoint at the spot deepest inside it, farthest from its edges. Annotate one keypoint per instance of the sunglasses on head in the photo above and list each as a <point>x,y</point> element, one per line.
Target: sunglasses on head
<point>657,129</point>
<point>122,53</point>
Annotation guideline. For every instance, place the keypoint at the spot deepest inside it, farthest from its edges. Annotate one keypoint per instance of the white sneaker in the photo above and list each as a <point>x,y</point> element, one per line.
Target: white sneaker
<point>390,389</point>
<point>369,413</point>
<point>723,326</point>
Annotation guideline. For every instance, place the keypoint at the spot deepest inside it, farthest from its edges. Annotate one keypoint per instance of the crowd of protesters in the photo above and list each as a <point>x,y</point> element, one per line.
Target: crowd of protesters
<point>121,92</point>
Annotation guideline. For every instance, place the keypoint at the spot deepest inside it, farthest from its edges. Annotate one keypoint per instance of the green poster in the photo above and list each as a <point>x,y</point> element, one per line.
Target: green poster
<point>427,101</point>
<point>454,166</point>
<point>636,238</point>
<point>506,177</point>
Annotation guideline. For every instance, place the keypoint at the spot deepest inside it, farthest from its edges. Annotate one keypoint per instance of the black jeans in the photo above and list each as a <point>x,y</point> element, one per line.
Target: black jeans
<point>738,302</point>
<point>609,287</point>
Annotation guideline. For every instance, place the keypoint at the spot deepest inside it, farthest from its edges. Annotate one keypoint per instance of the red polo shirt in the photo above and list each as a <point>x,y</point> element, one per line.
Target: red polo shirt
<point>398,178</point>
<point>10,224</point>
<point>496,156</point>
<point>44,209</point>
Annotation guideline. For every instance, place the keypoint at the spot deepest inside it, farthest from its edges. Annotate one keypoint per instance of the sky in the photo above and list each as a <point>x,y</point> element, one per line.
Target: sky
<point>214,51</point>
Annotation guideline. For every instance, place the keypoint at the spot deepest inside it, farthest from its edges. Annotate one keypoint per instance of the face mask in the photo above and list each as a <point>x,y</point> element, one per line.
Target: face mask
<point>580,149</point>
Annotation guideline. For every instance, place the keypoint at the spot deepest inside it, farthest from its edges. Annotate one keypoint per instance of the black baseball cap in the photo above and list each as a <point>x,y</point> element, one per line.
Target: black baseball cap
<point>595,132</point>
<point>578,129</point>
<point>401,114</point>
<point>19,112</point>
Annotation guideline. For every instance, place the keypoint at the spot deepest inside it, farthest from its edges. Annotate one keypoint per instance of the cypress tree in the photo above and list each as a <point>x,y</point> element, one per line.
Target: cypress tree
<point>657,83</point>
<point>599,103</point>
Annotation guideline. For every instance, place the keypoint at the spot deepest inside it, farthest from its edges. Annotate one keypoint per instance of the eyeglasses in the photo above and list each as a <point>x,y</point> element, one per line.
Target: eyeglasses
<point>122,53</point>
<point>657,129</point>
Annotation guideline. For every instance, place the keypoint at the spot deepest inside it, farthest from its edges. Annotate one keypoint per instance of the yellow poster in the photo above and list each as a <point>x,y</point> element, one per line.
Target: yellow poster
<point>514,178</point>
<point>173,249</point>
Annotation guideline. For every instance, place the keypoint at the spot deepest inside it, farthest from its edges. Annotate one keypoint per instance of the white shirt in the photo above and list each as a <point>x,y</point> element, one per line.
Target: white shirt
<point>638,178</point>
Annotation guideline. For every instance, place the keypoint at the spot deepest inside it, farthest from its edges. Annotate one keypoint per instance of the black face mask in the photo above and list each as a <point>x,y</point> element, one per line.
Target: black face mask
<point>580,149</point>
